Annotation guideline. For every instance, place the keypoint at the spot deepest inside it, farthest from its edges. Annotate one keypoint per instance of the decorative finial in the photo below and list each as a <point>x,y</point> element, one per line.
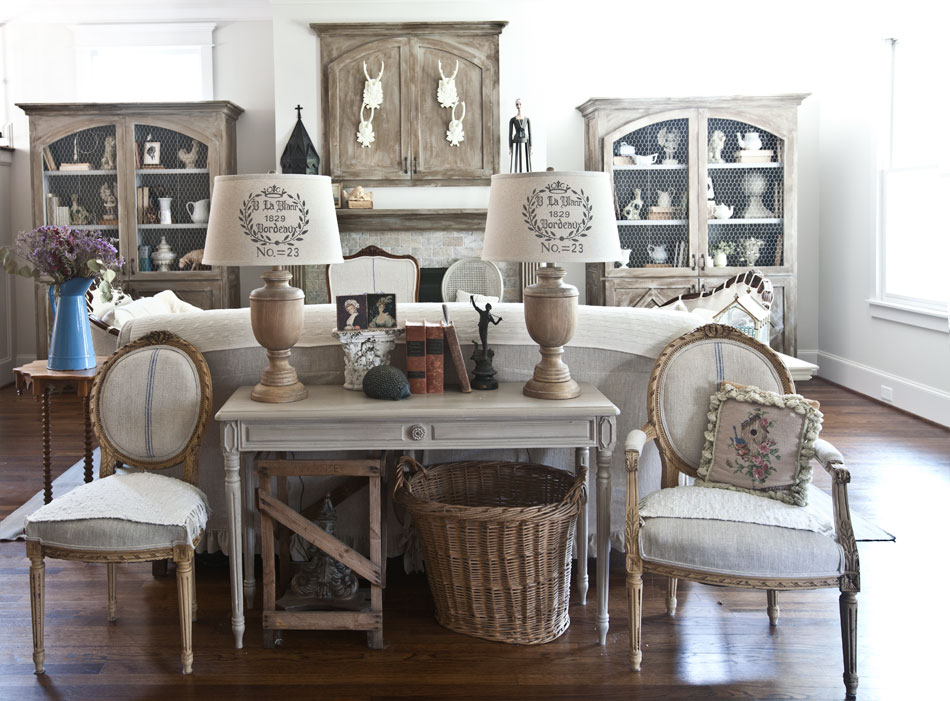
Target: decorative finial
<point>298,108</point>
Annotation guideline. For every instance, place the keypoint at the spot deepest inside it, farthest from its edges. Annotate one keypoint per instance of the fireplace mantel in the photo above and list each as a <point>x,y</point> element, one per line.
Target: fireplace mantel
<point>410,220</point>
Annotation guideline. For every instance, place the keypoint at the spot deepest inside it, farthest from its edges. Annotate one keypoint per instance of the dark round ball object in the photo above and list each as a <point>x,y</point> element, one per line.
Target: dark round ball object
<point>386,382</point>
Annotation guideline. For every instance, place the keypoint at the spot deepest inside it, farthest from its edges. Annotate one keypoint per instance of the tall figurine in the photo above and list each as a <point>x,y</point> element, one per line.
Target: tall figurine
<point>484,374</point>
<point>519,142</point>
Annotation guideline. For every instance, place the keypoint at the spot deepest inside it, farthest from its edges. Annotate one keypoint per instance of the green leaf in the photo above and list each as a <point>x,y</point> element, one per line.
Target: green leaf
<point>108,276</point>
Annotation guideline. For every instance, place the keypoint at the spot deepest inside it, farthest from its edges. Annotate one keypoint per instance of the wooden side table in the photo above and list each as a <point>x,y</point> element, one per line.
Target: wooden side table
<point>42,379</point>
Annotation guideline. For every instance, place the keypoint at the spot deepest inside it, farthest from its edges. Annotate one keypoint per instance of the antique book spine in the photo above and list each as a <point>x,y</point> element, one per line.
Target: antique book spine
<point>454,349</point>
<point>435,359</point>
<point>416,356</point>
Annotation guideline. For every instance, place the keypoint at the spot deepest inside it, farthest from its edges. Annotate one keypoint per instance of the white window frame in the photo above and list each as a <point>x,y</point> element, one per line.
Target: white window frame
<point>891,307</point>
<point>90,37</point>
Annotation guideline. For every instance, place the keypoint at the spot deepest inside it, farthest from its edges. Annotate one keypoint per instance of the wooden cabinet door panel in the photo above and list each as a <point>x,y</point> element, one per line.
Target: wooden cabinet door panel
<point>647,293</point>
<point>434,157</point>
<point>387,156</point>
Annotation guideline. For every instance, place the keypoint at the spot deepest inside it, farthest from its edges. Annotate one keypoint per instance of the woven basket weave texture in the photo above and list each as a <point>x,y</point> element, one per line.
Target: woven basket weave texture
<point>497,538</point>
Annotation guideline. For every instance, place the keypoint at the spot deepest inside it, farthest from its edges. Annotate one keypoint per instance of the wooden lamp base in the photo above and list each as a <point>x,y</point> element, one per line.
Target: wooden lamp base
<point>277,320</point>
<point>550,314</point>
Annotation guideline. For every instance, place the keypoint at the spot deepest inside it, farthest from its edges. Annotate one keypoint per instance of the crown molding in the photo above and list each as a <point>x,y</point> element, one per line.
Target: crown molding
<point>132,11</point>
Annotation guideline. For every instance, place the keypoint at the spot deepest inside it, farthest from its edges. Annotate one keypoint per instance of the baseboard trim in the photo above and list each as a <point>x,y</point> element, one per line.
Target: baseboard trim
<point>913,397</point>
<point>810,356</point>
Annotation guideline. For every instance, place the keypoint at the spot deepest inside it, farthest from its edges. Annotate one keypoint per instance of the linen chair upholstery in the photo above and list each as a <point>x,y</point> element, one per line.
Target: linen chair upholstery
<point>686,543</point>
<point>372,269</point>
<point>150,402</point>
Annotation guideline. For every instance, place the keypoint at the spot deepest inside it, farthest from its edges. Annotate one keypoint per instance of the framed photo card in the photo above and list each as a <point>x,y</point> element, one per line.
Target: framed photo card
<point>152,153</point>
<point>381,310</point>
<point>351,312</point>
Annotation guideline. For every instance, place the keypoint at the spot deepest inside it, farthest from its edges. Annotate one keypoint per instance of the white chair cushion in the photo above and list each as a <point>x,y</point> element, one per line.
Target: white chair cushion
<point>137,511</point>
<point>462,296</point>
<point>165,302</point>
<point>150,402</point>
<point>734,533</point>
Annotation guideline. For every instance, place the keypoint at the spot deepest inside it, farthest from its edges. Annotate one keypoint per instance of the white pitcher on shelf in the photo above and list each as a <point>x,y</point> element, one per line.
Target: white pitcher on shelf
<point>164,210</point>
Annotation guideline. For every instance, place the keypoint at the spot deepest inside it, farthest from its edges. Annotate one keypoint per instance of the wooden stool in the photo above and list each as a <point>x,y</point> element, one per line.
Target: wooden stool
<point>276,509</point>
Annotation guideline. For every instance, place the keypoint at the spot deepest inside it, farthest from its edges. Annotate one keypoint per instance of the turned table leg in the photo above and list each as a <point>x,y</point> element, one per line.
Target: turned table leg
<point>47,457</point>
<point>582,460</point>
<point>87,440</point>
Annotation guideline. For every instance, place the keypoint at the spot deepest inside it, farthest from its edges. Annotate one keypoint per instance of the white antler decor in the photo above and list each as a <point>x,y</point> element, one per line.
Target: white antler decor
<point>373,89</point>
<point>365,135</point>
<point>447,94</point>
<point>454,133</point>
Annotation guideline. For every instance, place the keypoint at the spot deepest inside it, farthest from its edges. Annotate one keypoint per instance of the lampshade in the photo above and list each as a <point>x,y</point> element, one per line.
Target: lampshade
<point>272,219</point>
<point>551,217</point>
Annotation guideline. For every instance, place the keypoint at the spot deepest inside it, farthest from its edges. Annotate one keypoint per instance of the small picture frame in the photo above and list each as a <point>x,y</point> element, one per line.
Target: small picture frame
<point>152,153</point>
<point>381,310</point>
<point>351,312</point>
<point>337,190</point>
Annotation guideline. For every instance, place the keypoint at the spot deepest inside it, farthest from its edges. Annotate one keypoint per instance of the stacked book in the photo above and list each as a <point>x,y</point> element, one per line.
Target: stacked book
<point>142,203</point>
<point>758,156</point>
<point>426,346</point>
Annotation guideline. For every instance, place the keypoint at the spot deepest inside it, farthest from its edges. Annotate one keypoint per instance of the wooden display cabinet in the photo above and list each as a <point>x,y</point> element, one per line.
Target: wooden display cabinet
<point>660,147</point>
<point>140,153</point>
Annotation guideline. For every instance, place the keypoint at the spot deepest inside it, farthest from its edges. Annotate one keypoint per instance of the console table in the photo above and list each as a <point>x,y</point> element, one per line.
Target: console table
<point>333,418</point>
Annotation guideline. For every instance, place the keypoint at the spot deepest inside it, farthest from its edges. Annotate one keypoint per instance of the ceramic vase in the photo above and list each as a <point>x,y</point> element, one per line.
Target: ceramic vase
<point>70,347</point>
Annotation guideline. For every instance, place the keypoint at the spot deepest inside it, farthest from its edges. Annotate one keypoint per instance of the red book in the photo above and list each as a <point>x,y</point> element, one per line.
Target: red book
<point>435,359</point>
<point>416,356</point>
<point>454,350</point>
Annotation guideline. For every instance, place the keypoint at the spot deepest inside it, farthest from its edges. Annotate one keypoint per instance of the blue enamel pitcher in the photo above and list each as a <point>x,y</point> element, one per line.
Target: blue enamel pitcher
<point>70,347</point>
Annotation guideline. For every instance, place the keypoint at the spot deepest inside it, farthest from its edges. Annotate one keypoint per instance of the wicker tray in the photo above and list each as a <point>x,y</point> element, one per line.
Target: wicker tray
<point>497,538</point>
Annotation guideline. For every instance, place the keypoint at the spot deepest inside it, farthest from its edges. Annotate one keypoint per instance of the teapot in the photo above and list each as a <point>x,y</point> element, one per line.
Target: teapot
<point>723,211</point>
<point>663,198</point>
<point>658,253</point>
<point>644,160</point>
<point>751,142</point>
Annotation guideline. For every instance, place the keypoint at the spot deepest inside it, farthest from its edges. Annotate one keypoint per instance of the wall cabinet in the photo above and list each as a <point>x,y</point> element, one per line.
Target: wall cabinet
<point>693,176</point>
<point>114,167</point>
<point>410,125</point>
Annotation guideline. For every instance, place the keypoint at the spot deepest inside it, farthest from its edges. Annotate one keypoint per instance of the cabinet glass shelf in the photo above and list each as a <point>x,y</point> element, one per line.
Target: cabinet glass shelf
<point>176,171</point>
<point>653,222</point>
<point>78,172</point>
<point>745,165</point>
<point>721,222</point>
<point>173,226</point>
<point>654,166</point>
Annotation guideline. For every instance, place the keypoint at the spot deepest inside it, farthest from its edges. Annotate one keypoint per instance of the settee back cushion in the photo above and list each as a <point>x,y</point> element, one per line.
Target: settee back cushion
<point>149,403</point>
<point>692,374</point>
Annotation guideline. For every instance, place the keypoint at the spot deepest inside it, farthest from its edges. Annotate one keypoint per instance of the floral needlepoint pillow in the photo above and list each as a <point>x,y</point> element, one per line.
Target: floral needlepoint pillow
<point>760,442</point>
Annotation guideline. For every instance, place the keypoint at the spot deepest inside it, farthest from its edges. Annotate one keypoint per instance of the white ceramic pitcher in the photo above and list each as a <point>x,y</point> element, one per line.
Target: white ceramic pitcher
<point>198,211</point>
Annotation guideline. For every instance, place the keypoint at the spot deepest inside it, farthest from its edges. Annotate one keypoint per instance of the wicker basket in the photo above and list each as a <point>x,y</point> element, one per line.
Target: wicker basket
<point>497,539</point>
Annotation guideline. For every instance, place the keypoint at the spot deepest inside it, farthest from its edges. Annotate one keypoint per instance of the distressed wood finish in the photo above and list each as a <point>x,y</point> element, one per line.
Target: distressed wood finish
<point>673,465</point>
<point>385,221</point>
<point>332,416</point>
<point>41,380</point>
<point>276,510</point>
<point>608,119</point>
<point>183,555</point>
<point>213,123</point>
<point>410,126</point>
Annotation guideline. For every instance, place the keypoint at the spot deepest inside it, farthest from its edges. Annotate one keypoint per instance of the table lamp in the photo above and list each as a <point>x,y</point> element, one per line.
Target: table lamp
<point>274,220</point>
<point>551,217</point>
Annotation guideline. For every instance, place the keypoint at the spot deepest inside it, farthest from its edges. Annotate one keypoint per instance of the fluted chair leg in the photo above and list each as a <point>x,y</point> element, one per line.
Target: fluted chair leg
<point>184,559</point>
<point>671,585</point>
<point>37,595</point>
<point>773,610</point>
<point>635,602</point>
<point>848,606</point>
<point>110,585</point>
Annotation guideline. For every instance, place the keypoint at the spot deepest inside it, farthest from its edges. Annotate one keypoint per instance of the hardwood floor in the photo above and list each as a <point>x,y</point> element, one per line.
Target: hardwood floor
<point>719,645</point>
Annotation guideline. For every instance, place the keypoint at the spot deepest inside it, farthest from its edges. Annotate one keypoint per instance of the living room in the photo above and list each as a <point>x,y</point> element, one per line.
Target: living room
<point>266,58</point>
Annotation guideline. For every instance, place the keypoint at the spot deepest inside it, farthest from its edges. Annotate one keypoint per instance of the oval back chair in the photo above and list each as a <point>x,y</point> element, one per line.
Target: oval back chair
<point>695,539</point>
<point>372,269</point>
<point>151,402</point>
<point>474,275</point>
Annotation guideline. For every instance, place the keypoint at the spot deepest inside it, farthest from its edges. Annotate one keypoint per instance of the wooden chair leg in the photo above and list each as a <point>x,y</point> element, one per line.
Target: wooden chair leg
<point>635,603</point>
<point>110,586</point>
<point>671,583</point>
<point>772,608</point>
<point>34,551</point>
<point>194,595</point>
<point>848,606</point>
<point>184,559</point>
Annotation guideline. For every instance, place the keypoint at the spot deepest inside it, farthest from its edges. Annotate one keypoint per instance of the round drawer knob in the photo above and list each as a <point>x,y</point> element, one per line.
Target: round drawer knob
<point>417,432</point>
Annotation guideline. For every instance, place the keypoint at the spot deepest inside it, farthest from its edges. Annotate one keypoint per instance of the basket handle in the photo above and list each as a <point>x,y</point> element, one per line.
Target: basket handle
<point>405,468</point>
<point>577,494</point>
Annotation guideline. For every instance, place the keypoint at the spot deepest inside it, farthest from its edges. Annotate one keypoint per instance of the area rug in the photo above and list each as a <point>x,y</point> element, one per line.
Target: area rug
<point>11,528</point>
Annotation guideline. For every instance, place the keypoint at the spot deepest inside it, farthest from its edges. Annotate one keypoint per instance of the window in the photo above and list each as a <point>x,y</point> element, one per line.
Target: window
<point>914,250</point>
<point>144,62</point>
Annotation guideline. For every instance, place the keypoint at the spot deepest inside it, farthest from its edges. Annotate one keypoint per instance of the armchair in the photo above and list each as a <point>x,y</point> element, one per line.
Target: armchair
<point>371,269</point>
<point>702,545</point>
